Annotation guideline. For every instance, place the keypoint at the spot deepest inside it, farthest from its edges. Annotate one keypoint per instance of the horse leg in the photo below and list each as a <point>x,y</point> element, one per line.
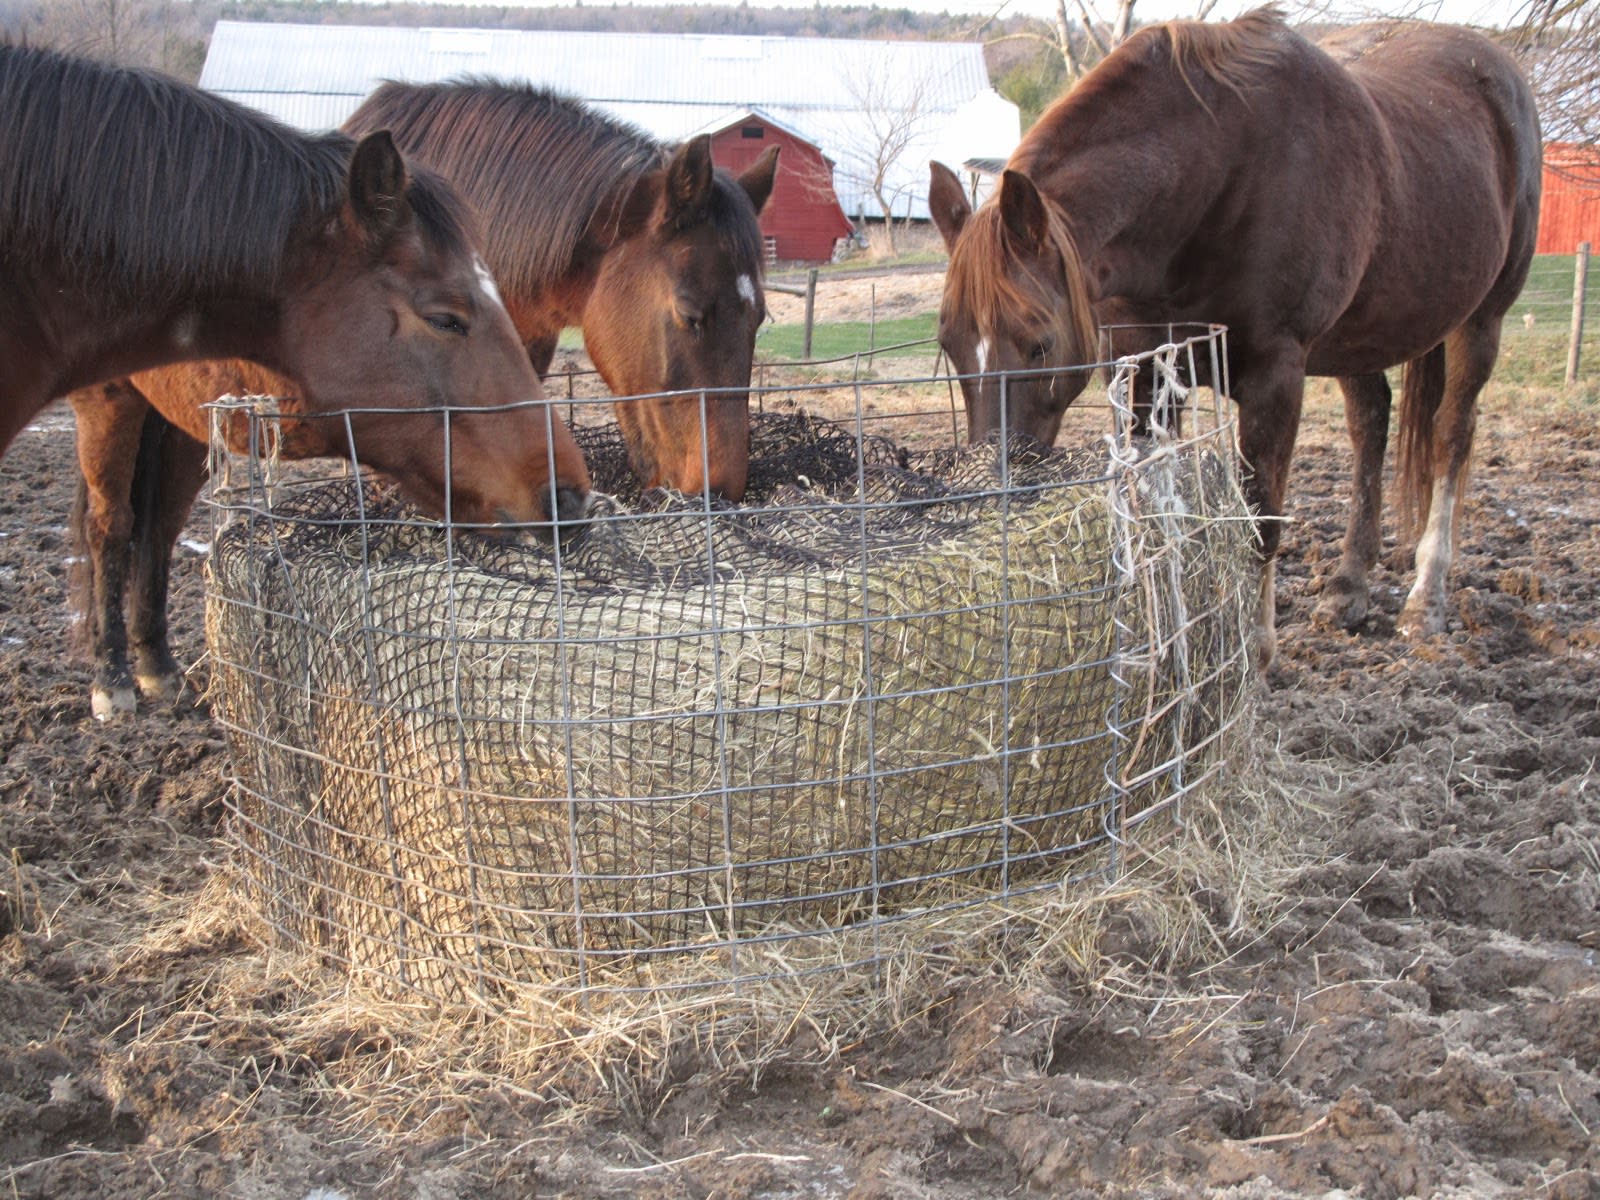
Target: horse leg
<point>171,473</point>
<point>1469,357</point>
<point>108,420</point>
<point>1345,595</point>
<point>1269,396</point>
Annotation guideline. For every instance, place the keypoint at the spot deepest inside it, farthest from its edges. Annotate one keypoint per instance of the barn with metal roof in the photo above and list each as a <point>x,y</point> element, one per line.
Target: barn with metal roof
<point>850,98</point>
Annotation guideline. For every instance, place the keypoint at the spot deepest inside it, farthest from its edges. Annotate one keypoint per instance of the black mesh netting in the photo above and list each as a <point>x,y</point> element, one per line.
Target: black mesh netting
<point>882,682</point>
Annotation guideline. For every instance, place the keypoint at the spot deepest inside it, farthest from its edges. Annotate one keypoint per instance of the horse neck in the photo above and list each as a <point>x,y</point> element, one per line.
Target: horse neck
<point>115,343</point>
<point>1153,197</point>
<point>236,327</point>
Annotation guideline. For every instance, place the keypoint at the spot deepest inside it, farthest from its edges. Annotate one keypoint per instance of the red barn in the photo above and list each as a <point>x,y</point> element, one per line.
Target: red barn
<point>803,217</point>
<point>1569,212</point>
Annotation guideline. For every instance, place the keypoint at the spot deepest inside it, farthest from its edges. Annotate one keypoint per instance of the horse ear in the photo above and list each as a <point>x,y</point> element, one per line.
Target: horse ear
<point>758,177</point>
<point>689,181</point>
<point>378,186</point>
<point>1022,211</point>
<point>947,202</point>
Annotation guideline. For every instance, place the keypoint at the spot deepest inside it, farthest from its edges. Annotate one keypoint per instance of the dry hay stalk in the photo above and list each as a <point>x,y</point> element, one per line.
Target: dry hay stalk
<point>401,1065</point>
<point>463,772</point>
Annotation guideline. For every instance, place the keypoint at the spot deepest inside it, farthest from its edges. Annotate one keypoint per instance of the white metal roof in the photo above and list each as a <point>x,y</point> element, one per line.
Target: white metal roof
<point>832,91</point>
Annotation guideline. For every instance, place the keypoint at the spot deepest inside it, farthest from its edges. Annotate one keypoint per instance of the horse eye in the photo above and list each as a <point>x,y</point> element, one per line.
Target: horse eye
<point>447,323</point>
<point>1040,351</point>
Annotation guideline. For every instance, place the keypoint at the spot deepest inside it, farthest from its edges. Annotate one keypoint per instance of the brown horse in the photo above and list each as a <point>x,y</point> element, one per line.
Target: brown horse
<point>651,249</point>
<point>121,247</point>
<point>1342,208</point>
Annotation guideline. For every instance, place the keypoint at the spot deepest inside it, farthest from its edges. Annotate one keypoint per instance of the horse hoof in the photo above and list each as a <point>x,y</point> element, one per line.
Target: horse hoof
<point>114,704</point>
<point>159,689</point>
<point>1342,611</point>
<point>1418,625</point>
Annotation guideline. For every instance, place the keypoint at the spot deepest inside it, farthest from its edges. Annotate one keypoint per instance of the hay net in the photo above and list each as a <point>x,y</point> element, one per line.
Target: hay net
<point>707,742</point>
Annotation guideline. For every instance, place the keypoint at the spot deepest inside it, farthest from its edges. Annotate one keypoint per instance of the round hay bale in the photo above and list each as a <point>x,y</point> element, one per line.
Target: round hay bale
<point>464,761</point>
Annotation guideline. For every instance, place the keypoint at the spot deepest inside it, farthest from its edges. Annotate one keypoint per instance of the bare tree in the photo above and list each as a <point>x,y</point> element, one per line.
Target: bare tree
<point>1085,31</point>
<point>1559,44</point>
<point>893,110</point>
<point>146,33</point>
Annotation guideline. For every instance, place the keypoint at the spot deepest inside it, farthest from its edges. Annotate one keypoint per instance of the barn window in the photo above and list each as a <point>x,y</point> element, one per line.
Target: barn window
<point>752,131</point>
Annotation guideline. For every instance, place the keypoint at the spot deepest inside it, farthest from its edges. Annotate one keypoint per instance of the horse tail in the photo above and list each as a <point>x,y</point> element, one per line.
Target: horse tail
<point>1421,394</point>
<point>147,490</point>
<point>80,572</point>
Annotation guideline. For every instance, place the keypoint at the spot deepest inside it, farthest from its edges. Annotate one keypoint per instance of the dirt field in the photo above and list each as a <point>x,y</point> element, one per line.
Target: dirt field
<point>1409,1005</point>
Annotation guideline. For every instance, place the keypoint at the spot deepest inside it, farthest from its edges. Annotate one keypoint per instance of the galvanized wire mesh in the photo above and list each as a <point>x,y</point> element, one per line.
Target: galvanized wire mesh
<point>705,743</point>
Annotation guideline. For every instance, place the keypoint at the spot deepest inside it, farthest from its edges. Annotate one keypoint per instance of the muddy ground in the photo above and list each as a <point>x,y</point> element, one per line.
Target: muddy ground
<point>1413,1010</point>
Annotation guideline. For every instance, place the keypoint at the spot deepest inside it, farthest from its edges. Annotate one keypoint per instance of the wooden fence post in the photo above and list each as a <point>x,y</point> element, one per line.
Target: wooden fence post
<point>1580,281</point>
<point>811,305</point>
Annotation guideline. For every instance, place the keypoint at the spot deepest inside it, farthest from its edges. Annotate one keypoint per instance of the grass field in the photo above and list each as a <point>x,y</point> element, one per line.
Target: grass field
<point>1532,353</point>
<point>901,335</point>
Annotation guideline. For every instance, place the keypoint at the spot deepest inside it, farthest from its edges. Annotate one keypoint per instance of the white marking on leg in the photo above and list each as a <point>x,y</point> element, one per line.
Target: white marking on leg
<point>486,282</point>
<point>1425,607</point>
<point>747,289</point>
<point>1267,615</point>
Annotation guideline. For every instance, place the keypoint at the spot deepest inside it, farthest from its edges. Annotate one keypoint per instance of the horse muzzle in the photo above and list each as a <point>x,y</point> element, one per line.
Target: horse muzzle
<point>571,516</point>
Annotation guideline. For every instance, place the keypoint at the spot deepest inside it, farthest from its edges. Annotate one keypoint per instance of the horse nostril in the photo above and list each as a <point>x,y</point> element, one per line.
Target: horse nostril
<point>572,506</point>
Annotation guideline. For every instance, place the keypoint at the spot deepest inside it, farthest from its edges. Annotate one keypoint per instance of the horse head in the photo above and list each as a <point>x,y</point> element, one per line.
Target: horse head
<point>389,312</point>
<point>675,308</point>
<point>1016,307</point>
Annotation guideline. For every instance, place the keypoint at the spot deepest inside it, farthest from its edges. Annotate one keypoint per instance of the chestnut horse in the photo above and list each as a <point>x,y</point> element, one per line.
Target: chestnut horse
<point>1342,208</point>
<point>651,249</point>
<point>143,221</point>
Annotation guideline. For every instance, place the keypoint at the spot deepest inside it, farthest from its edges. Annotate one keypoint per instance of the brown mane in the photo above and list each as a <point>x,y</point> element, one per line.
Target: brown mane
<point>483,134</point>
<point>1233,55</point>
<point>979,272</point>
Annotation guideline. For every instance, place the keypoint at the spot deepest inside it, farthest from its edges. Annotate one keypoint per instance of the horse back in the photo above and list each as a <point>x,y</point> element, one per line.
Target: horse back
<point>1458,135</point>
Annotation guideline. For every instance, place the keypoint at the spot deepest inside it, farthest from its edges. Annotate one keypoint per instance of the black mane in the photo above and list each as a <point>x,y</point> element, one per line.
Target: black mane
<point>133,181</point>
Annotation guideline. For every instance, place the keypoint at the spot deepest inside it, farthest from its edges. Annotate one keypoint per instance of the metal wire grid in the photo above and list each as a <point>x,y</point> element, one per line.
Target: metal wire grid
<point>708,744</point>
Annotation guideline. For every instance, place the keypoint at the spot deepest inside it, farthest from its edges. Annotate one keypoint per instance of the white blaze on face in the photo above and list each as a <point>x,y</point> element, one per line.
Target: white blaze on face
<point>486,282</point>
<point>984,351</point>
<point>746,288</point>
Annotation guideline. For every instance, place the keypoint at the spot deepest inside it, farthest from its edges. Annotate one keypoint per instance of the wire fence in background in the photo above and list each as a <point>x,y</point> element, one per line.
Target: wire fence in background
<point>1551,337</point>
<point>706,746</point>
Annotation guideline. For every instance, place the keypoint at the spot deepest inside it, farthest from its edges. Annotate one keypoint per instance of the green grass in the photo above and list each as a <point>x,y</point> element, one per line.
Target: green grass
<point>1548,292</point>
<point>844,338</point>
<point>1533,356</point>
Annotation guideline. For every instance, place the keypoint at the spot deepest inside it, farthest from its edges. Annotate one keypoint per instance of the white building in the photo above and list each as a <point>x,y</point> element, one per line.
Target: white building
<point>850,97</point>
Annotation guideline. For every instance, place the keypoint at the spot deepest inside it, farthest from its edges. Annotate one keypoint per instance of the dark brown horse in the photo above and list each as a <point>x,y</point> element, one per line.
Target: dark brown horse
<point>1342,208</point>
<point>122,245</point>
<point>654,252</point>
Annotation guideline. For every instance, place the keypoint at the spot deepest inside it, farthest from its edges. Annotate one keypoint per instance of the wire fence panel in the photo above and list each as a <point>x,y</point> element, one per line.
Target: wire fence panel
<point>701,744</point>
